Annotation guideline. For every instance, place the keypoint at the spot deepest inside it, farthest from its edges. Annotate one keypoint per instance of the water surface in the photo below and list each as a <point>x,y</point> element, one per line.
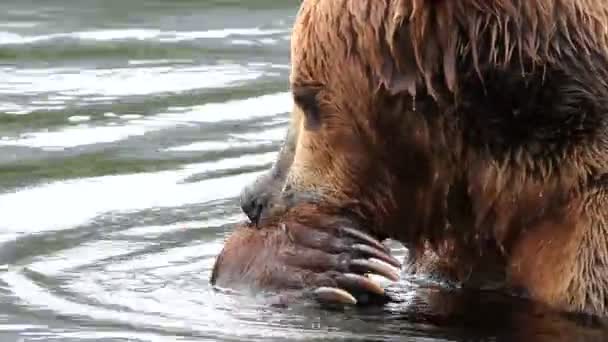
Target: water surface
<point>127,129</point>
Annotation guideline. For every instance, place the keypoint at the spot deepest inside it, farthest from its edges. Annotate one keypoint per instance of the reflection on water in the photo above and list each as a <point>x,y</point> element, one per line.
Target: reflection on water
<point>127,129</point>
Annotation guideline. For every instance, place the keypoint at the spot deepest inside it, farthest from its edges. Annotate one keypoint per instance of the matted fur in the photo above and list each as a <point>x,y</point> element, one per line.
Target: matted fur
<point>494,33</point>
<point>473,131</point>
<point>429,39</point>
<point>489,119</point>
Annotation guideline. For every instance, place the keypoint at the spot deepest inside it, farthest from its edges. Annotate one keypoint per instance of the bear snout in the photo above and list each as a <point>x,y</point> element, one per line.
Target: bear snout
<point>255,197</point>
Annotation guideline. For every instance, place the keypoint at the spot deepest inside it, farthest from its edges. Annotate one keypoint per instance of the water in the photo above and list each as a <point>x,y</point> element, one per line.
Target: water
<point>127,129</point>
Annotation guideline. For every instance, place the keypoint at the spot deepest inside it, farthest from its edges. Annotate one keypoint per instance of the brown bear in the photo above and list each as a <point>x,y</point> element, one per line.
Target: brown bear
<point>475,132</point>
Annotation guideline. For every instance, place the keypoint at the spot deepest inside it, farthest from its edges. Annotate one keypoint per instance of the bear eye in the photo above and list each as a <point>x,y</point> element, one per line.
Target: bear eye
<point>306,97</point>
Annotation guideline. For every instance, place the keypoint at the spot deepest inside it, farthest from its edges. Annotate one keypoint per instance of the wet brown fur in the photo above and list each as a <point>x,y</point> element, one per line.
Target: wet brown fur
<point>412,137</point>
<point>473,131</point>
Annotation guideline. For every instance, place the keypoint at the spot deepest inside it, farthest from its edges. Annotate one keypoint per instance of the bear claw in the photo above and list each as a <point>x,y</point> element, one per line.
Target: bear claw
<point>375,253</point>
<point>358,282</point>
<point>334,295</point>
<point>371,266</point>
<point>366,238</point>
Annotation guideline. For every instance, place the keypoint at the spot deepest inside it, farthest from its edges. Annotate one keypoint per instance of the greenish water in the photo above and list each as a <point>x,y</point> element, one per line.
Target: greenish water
<point>127,129</point>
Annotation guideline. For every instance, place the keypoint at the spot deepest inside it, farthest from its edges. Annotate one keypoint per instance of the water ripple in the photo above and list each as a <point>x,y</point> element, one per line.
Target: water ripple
<point>9,38</point>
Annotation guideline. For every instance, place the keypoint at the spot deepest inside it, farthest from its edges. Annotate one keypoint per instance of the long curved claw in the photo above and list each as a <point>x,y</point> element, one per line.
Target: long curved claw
<point>334,296</point>
<point>376,253</point>
<point>366,238</point>
<point>360,283</point>
<point>370,266</point>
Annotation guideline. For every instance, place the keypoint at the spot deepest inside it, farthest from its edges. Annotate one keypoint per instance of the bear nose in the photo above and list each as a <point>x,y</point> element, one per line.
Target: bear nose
<point>252,205</point>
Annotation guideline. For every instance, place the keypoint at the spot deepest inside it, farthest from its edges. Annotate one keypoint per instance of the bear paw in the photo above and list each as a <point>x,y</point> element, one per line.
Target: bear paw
<point>329,264</point>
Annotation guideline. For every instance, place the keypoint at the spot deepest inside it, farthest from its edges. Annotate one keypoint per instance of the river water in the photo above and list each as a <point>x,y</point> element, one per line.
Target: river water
<point>127,129</point>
